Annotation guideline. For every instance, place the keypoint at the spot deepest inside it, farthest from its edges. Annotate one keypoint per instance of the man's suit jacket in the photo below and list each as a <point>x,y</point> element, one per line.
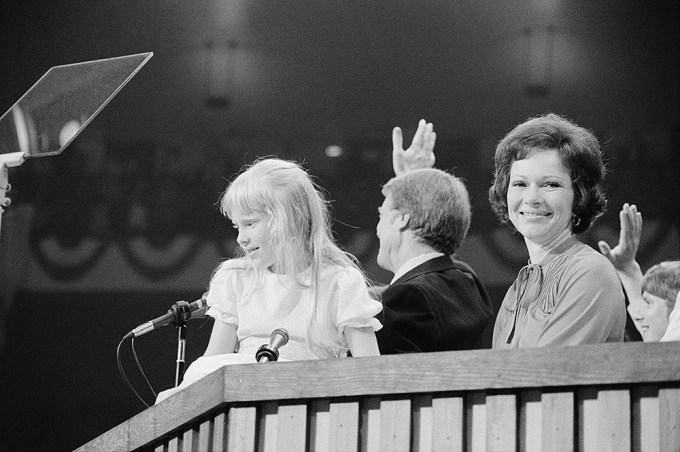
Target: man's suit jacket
<point>439,305</point>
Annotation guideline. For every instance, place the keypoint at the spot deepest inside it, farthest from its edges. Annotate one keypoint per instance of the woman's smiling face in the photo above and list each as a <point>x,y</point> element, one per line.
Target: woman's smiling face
<point>540,196</point>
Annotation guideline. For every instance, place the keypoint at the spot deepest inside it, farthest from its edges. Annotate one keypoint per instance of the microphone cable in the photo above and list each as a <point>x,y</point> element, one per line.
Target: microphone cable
<point>141,371</point>
<point>124,375</point>
<point>121,370</point>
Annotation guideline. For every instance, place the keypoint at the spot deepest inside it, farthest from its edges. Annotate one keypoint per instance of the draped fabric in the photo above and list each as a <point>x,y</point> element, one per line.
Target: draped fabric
<point>527,286</point>
<point>572,296</point>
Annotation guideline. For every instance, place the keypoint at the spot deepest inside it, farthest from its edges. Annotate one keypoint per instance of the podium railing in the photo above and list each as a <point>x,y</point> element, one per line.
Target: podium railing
<point>596,397</point>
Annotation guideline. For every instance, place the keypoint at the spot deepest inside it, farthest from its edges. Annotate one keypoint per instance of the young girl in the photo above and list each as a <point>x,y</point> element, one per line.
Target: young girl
<point>290,275</point>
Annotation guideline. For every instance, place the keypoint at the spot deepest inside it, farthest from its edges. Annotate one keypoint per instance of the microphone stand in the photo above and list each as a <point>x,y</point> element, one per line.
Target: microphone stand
<point>181,311</point>
<point>181,348</point>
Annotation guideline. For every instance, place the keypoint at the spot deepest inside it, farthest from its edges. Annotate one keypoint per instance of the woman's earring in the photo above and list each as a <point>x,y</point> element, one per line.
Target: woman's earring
<point>575,220</point>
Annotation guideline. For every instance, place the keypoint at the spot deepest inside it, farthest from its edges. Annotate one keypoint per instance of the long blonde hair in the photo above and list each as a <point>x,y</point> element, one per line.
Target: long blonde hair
<point>299,229</point>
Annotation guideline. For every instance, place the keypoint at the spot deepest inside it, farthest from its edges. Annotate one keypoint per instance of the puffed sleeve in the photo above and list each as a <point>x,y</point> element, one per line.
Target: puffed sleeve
<point>222,294</point>
<point>355,307</point>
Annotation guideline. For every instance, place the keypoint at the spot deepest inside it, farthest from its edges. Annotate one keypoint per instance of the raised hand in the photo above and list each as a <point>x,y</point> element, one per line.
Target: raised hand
<point>623,254</point>
<point>421,152</point>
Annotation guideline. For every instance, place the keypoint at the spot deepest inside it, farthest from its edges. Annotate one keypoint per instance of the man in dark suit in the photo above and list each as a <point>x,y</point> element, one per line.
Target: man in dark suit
<point>434,302</point>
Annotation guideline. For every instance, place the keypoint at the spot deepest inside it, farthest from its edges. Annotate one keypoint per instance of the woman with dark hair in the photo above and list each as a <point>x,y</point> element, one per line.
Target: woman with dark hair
<point>549,186</point>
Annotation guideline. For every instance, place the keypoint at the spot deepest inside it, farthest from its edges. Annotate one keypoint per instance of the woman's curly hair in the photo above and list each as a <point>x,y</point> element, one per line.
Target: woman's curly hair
<point>580,154</point>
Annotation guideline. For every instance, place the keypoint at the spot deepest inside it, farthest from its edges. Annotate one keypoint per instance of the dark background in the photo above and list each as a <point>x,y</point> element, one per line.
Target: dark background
<point>124,222</point>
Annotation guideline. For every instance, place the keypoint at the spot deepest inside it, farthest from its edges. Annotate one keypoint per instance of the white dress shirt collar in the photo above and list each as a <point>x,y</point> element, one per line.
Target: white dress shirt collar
<point>413,263</point>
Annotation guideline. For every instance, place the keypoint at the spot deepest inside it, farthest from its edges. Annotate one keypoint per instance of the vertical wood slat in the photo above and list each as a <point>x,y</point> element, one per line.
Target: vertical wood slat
<point>319,425</point>
<point>205,435</point>
<point>344,426</point>
<point>268,436</point>
<point>335,426</point>
<point>241,428</point>
<point>604,419</point>
<point>669,422</point>
<point>160,448</point>
<point>395,425</point>
<point>587,410</point>
<point>219,433</point>
<point>557,421</point>
<point>645,419</point>
<point>422,422</point>
<point>292,427</point>
<point>615,412</point>
<point>190,440</point>
<point>448,426</point>
<point>529,422</point>
<point>475,421</point>
<point>501,422</point>
<point>173,444</point>
<point>370,424</point>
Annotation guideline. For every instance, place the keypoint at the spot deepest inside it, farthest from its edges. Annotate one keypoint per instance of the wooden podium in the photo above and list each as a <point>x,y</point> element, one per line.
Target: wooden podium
<point>613,397</point>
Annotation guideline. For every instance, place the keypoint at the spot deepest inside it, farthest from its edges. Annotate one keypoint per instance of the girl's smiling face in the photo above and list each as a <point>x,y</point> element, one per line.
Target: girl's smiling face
<point>540,196</point>
<point>253,237</point>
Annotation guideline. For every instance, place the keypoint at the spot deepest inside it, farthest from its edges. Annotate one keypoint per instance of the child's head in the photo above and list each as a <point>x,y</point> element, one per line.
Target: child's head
<point>282,195</point>
<point>296,235</point>
<point>660,286</point>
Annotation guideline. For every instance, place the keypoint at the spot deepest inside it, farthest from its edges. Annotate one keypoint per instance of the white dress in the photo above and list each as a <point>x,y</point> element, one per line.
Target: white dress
<point>259,302</point>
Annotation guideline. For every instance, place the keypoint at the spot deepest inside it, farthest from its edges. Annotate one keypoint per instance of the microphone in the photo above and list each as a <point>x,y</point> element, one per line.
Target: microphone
<point>179,311</point>
<point>270,352</point>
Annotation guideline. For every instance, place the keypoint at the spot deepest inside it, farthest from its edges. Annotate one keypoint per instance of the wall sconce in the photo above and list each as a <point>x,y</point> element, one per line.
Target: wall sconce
<point>538,61</point>
<point>220,73</point>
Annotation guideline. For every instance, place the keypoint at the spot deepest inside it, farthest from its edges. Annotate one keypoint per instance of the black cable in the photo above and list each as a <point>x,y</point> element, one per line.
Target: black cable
<point>139,366</point>
<point>125,378</point>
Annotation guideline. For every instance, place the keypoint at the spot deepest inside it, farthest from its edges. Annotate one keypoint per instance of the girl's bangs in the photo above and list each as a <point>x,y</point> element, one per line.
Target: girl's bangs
<point>245,195</point>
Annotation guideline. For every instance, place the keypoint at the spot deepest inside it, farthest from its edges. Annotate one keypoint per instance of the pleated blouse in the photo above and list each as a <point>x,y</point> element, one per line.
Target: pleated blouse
<point>572,296</point>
